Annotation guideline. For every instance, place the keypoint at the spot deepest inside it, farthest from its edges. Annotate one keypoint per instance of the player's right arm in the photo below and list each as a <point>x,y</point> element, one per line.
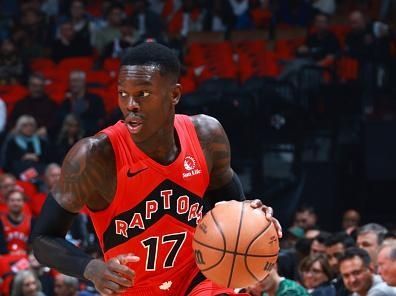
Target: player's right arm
<point>88,177</point>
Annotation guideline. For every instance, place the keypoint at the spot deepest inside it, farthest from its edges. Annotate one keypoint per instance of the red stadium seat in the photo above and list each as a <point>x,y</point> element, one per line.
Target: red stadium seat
<point>57,90</point>
<point>112,65</point>
<point>347,69</point>
<point>42,64</point>
<point>76,63</point>
<point>12,94</point>
<point>261,17</point>
<point>188,84</point>
<point>109,96</point>
<point>98,78</point>
<point>28,188</point>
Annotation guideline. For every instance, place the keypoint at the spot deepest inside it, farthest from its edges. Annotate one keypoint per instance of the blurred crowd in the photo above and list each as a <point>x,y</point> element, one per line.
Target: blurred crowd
<point>356,260</point>
<point>58,64</point>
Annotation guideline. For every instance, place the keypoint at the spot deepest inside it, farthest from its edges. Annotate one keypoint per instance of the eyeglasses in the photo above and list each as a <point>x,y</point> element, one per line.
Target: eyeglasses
<point>313,271</point>
<point>27,124</point>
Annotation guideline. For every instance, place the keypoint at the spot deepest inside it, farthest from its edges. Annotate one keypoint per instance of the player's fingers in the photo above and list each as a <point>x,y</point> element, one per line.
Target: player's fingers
<point>220,202</point>
<point>255,204</point>
<point>278,227</point>
<point>123,270</point>
<point>114,288</point>
<point>269,212</point>
<point>109,292</point>
<point>127,258</point>
<point>106,292</point>
<point>120,279</point>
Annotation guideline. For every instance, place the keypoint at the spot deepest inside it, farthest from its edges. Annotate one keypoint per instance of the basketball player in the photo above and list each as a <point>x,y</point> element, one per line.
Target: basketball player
<point>147,181</point>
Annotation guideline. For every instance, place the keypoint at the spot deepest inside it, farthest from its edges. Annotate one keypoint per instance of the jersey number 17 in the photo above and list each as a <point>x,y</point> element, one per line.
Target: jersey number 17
<point>152,245</point>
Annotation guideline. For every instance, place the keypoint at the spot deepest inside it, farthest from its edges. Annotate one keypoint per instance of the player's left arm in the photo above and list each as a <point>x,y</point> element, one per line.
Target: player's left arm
<point>224,183</point>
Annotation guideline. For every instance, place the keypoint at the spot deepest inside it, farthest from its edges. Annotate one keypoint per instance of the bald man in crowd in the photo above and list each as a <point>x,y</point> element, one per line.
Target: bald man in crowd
<point>387,263</point>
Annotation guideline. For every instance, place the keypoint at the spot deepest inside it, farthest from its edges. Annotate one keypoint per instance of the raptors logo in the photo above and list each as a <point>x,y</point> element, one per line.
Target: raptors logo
<point>190,165</point>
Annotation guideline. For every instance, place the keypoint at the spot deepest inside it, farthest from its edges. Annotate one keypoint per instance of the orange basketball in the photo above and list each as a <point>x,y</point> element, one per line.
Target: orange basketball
<point>235,245</point>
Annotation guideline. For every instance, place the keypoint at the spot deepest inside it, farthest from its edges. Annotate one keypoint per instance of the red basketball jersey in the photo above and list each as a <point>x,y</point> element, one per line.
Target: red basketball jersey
<point>155,210</point>
<point>16,235</point>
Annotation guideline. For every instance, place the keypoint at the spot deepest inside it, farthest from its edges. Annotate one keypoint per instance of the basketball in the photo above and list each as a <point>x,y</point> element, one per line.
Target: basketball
<point>235,245</point>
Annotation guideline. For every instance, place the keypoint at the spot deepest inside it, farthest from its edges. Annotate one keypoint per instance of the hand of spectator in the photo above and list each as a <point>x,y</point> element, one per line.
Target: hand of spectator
<point>42,132</point>
<point>30,156</point>
<point>303,49</point>
<point>111,277</point>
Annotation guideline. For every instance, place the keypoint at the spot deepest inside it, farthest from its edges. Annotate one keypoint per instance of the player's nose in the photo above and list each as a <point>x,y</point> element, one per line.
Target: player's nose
<point>132,104</point>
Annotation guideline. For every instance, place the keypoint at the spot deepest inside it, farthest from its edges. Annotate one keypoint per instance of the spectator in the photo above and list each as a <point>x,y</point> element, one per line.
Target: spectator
<point>187,19</point>
<point>336,245</point>
<point>82,25</point>
<point>387,263</point>
<point>88,107</point>
<point>321,45</point>
<point>66,285</point>
<point>116,47</point>
<point>305,217</point>
<point>312,232</point>
<point>7,185</point>
<point>369,238</point>
<point>69,45</point>
<point>325,6</point>
<point>31,35</point>
<point>318,243</point>
<point>316,275</point>
<point>37,104</point>
<point>26,283</point>
<point>350,220</point>
<point>241,12</point>
<point>103,36</point>
<point>51,176</point>
<point>70,133</point>
<point>50,7</point>
<point>11,64</point>
<point>147,23</point>
<point>15,226</point>
<point>358,276</point>
<point>390,237</point>
<point>274,285</point>
<point>218,16</point>
<point>292,235</point>
<point>3,119</point>
<point>24,149</point>
<point>362,44</point>
<point>43,273</point>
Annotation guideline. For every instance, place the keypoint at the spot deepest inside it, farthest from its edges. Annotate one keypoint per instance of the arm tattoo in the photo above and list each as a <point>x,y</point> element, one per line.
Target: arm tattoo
<point>216,147</point>
<point>88,172</point>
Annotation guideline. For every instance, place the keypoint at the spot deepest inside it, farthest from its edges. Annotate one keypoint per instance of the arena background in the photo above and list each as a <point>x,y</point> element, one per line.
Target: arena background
<point>313,127</point>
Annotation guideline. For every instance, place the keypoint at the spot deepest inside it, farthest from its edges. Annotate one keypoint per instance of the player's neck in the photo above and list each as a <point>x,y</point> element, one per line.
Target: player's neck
<point>163,147</point>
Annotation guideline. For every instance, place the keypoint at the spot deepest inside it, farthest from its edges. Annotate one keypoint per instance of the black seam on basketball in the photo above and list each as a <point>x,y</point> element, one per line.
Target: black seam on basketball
<point>236,244</point>
<point>234,253</point>
<point>219,229</point>
<point>224,243</point>
<point>248,247</point>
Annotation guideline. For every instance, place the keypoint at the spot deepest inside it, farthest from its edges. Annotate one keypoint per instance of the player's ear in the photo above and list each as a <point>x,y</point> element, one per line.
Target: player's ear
<point>176,93</point>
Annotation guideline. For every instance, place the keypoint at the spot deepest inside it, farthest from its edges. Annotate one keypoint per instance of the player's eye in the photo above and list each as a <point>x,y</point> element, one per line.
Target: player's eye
<point>123,94</point>
<point>143,94</point>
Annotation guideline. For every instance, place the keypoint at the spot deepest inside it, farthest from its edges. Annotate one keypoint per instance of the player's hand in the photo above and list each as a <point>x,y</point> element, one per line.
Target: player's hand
<point>112,277</point>
<point>255,204</point>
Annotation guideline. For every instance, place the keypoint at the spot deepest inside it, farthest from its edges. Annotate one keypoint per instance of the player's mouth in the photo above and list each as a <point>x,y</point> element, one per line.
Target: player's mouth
<point>134,125</point>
